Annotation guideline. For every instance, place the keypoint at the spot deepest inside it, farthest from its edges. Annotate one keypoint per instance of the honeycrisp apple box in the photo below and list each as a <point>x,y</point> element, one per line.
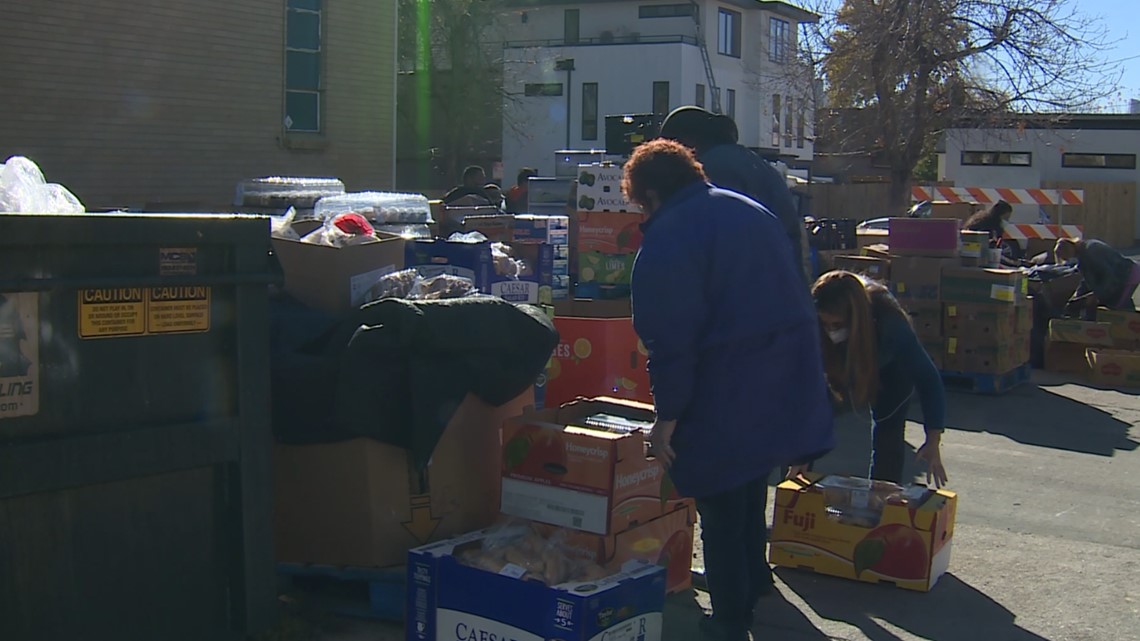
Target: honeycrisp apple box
<point>449,600</point>
<point>583,466</point>
<point>907,544</point>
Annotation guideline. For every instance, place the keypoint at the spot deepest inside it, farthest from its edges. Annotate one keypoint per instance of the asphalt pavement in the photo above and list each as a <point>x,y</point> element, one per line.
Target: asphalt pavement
<point>1047,543</point>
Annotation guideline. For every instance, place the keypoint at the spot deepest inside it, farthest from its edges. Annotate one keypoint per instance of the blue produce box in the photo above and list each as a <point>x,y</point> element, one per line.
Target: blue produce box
<point>449,601</point>
<point>474,262</point>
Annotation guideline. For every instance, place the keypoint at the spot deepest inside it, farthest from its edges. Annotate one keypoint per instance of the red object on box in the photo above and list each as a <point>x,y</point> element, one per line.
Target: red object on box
<point>934,237</point>
<point>597,357</point>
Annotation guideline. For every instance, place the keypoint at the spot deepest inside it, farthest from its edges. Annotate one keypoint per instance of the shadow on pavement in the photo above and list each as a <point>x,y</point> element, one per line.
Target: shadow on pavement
<point>1037,416</point>
<point>952,611</point>
<point>777,618</point>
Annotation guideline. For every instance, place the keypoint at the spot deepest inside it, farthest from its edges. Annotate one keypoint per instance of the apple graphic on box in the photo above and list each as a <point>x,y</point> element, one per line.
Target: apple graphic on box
<point>630,236</point>
<point>536,452</point>
<point>677,557</point>
<point>894,551</point>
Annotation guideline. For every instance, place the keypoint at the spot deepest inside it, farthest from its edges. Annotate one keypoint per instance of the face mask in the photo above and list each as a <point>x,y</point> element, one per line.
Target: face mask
<point>838,336</point>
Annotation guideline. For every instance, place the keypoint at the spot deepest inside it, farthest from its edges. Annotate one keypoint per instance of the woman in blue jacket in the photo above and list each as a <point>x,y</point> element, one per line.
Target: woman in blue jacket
<point>874,359</point>
<point>734,357</point>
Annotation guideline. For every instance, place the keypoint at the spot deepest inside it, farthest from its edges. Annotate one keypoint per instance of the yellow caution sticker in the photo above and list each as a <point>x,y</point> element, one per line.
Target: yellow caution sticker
<point>902,288</point>
<point>178,310</point>
<point>952,311</point>
<point>111,312</point>
<point>952,345</point>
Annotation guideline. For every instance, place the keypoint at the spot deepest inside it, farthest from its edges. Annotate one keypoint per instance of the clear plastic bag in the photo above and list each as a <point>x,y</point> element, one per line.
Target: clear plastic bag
<point>857,501</point>
<point>282,226</point>
<point>23,189</point>
<point>343,231</point>
<point>409,285</point>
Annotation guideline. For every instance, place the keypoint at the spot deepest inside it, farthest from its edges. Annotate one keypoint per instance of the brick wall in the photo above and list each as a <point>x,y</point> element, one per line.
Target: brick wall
<point>168,104</point>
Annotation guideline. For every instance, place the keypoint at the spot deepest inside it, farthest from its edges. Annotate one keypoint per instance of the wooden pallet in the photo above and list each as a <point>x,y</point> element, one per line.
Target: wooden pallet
<point>986,383</point>
<point>367,593</point>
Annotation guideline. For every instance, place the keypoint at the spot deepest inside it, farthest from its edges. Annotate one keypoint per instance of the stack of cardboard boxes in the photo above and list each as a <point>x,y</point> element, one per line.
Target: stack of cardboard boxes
<point>1105,351</point>
<point>576,475</point>
<point>599,352</point>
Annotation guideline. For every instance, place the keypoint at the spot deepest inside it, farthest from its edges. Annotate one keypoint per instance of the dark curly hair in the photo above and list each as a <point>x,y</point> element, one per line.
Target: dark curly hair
<point>662,166</point>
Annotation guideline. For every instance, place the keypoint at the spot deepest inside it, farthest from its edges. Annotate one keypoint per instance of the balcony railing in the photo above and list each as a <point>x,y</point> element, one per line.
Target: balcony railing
<point>627,39</point>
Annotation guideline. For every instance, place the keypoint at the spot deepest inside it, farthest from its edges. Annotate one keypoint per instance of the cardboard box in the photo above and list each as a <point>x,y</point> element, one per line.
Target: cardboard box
<point>991,357</point>
<point>973,242</point>
<point>915,278</point>
<point>934,237</point>
<point>985,323</point>
<point>666,541</point>
<point>1080,332</point>
<point>977,285</point>
<point>598,357</point>
<point>593,308</point>
<point>360,503</point>
<point>558,471</point>
<point>521,228</point>
<point>474,262</point>
<point>875,268</point>
<point>1114,367</point>
<point>609,232</point>
<point>449,600</point>
<point>599,189</point>
<point>908,545</point>
<point>337,279</point>
<point>1056,292</point>
<point>936,349</point>
<point>1123,326</point>
<point>959,211</point>
<point>871,237</point>
<point>926,317</point>
<point>1067,358</point>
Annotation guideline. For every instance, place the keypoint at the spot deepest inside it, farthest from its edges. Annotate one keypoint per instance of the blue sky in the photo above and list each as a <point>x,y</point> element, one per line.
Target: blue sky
<point>1123,23</point>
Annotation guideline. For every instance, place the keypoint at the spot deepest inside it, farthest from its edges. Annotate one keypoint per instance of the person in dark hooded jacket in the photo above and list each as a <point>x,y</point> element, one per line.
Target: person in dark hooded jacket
<point>732,166</point>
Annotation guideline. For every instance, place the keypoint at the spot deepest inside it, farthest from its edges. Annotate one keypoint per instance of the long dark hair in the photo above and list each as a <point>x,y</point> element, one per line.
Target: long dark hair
<point>852,368</point>
<point>989,218</point>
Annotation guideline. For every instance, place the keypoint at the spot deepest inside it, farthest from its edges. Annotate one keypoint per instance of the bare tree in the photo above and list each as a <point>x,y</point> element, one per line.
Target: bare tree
<point>922,66</point>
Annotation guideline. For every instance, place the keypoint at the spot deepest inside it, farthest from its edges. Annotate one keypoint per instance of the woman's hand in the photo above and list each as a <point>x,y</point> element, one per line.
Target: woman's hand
<point>661,441</point>
<point>931,454</point>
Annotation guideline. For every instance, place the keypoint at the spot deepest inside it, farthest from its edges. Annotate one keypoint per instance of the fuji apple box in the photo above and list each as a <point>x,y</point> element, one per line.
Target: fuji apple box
<point>557,470</point>
<point>597,357</point>
<point>666,541</point>
<point>908,546</point>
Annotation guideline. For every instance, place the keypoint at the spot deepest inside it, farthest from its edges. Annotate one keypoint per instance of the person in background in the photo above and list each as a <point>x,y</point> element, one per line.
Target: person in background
<point>991,221</point>
<point>729,165</point>
<point>494,194</point>
<point>474,178</point>
<point>873,359</point>
<point>517,195</point>
<point>1109,278</point>
<point>733,343</point>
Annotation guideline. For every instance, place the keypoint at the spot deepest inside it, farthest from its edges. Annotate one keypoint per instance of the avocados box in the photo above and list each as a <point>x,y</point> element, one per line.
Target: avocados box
<point>1113,367</point>
<point>978,285</point>
<point>918,278</point>
<point>558,470</point>
<point>983,322</point>
<point>599,189</point>
<point>907,543</point>
<point>449,600</point>
<point>666,541</point>
<point>1063,330</point>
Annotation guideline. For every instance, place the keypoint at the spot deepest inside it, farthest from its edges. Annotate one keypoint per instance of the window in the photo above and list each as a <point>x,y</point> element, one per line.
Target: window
<point>700,100</point>
<point>303,65</point>
<point>779,32</point>
<point>716,99</point>
<point>1099,161</point>
<point>800,124</point>
<point>789,122</point>
<point>543,89</point>
<point>776,120</point>
<point>589,111</point>
<point>681,10</point>
<point>728,40</point>
<point>661,98</point>
<point>570,30</point>
<point>730,103</point>
<point>1003,158</point>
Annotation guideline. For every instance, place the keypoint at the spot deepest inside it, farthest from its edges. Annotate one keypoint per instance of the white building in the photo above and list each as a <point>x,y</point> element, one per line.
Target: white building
<point>567,65</point>
<point>1079,147</point>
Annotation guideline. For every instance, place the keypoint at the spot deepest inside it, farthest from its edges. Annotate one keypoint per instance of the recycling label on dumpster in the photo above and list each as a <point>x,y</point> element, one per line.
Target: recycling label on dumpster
<point>19,355</point>
<point>142,311</point>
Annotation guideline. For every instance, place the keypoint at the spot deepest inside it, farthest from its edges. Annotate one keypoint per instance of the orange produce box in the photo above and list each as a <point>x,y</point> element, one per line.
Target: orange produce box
<point>870,531</point>
<point>582,466</point>
<point>597,357</point>
<point>609,232</point>
<point>666,541</point>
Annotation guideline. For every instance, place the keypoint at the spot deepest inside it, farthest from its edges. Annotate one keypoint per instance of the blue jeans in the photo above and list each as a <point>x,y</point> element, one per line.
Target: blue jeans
<point>734,533</point>
<point>888,442</point>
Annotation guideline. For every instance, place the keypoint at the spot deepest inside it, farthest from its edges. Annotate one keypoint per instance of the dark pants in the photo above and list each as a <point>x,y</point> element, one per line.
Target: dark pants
<point>888,443</point>
<point>734,534</point>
